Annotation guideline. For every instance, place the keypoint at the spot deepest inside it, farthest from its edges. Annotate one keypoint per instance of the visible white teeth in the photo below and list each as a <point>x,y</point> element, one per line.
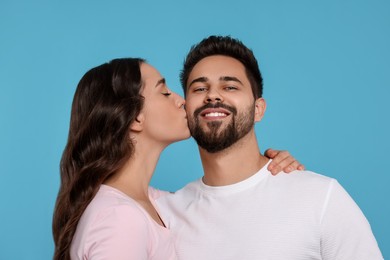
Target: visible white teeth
<point>215,114</point>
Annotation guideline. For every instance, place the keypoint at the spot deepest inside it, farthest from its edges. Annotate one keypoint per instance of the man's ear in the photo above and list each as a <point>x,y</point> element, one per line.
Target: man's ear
<point>138,124</point>
<point>260,107</point>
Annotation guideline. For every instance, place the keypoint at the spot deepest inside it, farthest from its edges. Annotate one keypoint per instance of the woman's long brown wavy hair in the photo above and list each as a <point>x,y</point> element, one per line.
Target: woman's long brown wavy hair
<point>107,100</point>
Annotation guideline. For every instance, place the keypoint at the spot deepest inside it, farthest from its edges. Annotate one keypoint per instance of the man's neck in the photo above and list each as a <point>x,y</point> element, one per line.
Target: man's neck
<point>233,164</point>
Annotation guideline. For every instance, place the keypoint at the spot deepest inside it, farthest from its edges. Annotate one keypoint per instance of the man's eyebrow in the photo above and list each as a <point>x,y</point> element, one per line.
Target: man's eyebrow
<point>229,78</point>
<point>200,79</point>
<point>161,81</point>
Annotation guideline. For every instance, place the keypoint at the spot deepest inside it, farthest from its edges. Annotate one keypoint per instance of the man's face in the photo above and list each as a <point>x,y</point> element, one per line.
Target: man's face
<point>219,101</point>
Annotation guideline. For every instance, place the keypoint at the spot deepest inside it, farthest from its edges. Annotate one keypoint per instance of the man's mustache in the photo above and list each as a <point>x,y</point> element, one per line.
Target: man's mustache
<point>233,110</point>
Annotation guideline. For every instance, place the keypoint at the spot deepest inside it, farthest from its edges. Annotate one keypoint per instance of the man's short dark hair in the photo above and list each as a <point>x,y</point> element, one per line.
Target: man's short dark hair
<point>227,46</point>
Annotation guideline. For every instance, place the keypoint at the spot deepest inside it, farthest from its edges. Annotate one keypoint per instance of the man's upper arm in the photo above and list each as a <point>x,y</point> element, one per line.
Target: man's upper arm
<point>346,233</point>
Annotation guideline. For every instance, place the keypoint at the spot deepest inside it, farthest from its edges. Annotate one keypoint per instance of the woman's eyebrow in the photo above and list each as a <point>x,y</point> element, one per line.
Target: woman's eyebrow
<point>161,81</point>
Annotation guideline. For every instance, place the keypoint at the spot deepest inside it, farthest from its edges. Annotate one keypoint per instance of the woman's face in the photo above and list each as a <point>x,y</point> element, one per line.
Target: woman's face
<point>165,119</point>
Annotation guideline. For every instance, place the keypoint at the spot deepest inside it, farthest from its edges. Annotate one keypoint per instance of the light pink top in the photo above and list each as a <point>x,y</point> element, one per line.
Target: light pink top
<point>114,226</point>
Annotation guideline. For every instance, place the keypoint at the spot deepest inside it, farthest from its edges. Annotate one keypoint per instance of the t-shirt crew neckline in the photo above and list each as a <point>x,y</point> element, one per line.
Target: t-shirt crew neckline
<point>236,187</point>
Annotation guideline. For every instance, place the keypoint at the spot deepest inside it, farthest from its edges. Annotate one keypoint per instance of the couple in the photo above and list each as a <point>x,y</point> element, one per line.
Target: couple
<point>123,116</point>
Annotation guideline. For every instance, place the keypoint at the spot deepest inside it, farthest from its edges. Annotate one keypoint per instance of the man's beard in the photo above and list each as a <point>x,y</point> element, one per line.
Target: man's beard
<point>214,140</point>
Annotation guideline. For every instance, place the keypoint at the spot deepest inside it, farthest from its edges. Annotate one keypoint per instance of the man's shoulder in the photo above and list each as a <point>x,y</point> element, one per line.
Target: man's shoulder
<point>189,189</point>
<point>183,195</point>
<point>311,176</point>
<point>304,180</point>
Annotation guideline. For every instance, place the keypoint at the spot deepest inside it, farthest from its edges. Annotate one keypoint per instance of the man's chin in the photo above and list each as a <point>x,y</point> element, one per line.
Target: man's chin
<point>212,131</point>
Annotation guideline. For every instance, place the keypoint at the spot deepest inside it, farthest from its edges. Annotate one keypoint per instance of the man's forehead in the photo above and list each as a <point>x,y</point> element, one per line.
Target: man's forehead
<point>217,66</point>
<point>219,61</point>
<point>217,70</point>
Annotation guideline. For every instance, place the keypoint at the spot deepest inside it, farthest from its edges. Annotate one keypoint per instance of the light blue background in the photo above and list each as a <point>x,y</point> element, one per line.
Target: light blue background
<point>325,66</point>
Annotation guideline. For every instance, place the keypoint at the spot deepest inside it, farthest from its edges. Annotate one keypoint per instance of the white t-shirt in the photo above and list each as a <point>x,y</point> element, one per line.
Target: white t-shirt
<point>295,216</point>
<point>114,226</point>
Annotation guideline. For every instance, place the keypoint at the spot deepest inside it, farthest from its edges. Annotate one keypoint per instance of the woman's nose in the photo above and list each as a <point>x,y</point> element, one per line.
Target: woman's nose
<point>180,102</point>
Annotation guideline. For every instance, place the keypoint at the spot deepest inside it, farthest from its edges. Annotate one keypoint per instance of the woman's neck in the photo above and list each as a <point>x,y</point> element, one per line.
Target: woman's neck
<point>134,178</point>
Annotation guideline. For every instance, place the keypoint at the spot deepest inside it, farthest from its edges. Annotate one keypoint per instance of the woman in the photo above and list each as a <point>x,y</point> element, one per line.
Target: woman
<point>123,116</point>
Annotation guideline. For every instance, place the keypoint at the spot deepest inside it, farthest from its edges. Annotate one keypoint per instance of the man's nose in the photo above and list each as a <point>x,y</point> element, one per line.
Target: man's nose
<point>213,96</point>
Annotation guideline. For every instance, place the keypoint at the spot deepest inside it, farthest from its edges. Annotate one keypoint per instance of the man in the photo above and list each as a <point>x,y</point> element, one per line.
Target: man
<point>238,210</point>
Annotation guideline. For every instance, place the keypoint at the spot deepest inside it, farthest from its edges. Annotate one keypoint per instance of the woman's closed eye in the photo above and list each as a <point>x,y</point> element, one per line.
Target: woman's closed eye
<point>166,91</point>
